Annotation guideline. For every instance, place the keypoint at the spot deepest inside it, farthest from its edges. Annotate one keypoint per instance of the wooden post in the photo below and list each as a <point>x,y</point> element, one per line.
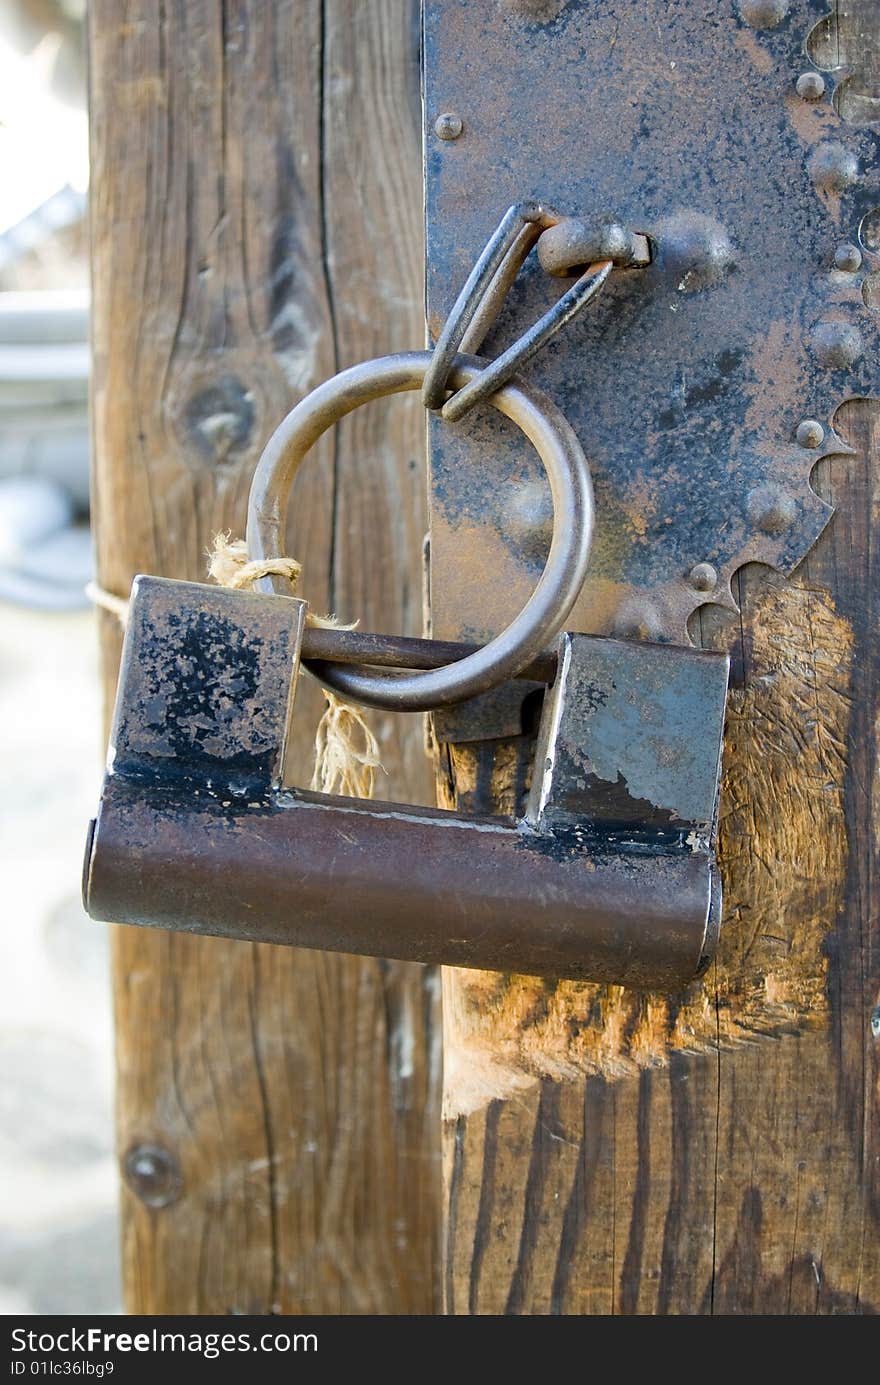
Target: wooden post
<point>256,224</point>
<point>614,1153</point>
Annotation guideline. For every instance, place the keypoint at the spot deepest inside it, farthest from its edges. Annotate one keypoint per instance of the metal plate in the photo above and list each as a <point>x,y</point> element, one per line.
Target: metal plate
<point>686,382</point>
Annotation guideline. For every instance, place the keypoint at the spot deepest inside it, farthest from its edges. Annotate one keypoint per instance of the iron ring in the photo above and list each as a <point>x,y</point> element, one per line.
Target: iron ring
<point>546,610</point>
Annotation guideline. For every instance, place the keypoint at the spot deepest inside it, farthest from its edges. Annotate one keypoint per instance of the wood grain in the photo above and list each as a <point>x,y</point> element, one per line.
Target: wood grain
<point>256,200</point>
<point>846,42</point>
<point>607,1153</point>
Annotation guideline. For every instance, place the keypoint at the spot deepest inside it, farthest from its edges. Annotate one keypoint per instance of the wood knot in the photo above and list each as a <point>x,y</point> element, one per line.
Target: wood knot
<point>220,420</point>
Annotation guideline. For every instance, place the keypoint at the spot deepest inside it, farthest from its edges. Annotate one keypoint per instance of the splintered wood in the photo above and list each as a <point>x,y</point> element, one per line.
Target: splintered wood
<point>783,857</point>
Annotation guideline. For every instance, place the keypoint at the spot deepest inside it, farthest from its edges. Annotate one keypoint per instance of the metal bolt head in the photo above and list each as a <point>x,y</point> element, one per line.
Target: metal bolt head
<point>875,1023</point>
<point>763,14</point>
<point>810,86</point>
<point>832,166</point>
<point>771,509</point>
<point>703,577</point>
<point>694,249</point>
<point>836,344</point>
<point>810,433</point>
<point>848,258</point>
<point>449,125</point>
<point>153,1175</point>
<point>637,619</point>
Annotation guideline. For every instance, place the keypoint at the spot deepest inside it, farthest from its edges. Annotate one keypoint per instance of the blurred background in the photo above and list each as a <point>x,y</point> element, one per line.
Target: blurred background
<point>58,1221</point>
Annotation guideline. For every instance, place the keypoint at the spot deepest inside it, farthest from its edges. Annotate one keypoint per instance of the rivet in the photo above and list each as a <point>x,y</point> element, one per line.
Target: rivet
<point>875,1022</point>
<point>836,344</point>
<point>847,257</point>
<point>832,166</point>
<point>153,1175</point>
<point>763,14</point>
<point>528,516</point>
<point>810,86</point>
<point>637,619</point>
<point>448,125</point>
<point>694,250</point>
<point>703,577</point>
<point>771,509</point>
<point>810,433</point>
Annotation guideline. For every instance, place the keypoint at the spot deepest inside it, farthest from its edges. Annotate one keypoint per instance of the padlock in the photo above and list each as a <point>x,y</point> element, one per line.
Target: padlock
<point>609,874</point>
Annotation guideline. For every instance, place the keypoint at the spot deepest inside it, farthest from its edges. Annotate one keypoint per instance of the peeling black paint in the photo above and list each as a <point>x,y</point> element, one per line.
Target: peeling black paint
<point>612,806</point>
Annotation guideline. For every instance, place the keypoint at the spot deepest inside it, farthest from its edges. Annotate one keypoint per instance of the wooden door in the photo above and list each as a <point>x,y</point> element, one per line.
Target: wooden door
<point>257,224</point>
<point>716,1151</point>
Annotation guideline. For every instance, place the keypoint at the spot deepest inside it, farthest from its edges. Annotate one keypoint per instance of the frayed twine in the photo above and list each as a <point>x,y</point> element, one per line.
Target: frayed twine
<point>229,565</point>
<point>346,751</point>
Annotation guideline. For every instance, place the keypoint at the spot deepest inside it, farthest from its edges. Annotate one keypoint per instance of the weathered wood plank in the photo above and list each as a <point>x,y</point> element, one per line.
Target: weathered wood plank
<point>848,37</point>
<point>609,1154</point>
<point>233,259</point>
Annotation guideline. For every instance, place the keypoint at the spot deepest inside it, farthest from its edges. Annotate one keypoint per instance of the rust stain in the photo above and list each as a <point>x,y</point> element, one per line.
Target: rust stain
<point>783,858</point>
<point>757,53</point>
<point>811,120</point>
<point>483,564</point>
<point>777,362</point>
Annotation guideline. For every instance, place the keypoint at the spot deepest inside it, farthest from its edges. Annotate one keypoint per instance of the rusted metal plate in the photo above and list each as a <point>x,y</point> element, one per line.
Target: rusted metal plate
<point>702,387</point>
<point>195,832</point>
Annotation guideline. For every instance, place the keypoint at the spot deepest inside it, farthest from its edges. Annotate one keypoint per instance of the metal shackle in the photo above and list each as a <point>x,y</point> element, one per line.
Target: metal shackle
<point>543,615</point>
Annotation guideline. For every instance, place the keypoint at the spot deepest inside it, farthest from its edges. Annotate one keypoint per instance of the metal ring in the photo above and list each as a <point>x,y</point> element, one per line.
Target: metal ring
<point>545,612</point>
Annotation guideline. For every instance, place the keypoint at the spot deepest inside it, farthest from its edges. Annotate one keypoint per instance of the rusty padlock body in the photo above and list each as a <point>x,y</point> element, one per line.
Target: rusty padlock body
<point>609,876</point>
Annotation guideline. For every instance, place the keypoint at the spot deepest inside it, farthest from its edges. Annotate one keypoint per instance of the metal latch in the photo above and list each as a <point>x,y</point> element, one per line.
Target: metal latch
<point>566,245</point>
<point>610,872</point>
